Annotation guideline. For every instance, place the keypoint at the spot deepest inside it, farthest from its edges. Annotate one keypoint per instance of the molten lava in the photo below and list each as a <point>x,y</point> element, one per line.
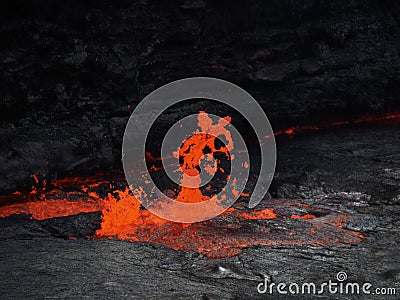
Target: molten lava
<point>40,210</point>
<point>201,144</point>
<point>67,197</point>
<point>393,118</point>
<point>200,154</point>
<point>226,235</point>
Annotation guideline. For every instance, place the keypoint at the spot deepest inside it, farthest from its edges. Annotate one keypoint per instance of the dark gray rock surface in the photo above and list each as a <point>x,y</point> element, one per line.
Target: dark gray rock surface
<point>344,170</point>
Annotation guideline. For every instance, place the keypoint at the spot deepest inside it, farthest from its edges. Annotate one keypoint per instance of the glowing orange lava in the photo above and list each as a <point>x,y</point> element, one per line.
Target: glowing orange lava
<point>40,210</point>
<point>387,118</point>
<point>307,216</point>
<point>226,235</point>
<point>237,228</point>
<point>260,214</point>
<point>199,145</point>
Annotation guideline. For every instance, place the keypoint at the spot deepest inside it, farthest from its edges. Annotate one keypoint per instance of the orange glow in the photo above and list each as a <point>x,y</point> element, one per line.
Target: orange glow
<point>40,210</point>
<point>235,229</point>
<point>195,148</point>
<point>307,216</point>
<point>54,202</point>
<point>260,214</point>
<point>45,209</point>
<point>390,118</point>
<point>124,218</point>
<point>214,240</point>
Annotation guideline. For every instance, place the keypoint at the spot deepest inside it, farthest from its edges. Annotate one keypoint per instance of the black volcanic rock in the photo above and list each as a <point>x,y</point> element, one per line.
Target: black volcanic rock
<point>72,72</point>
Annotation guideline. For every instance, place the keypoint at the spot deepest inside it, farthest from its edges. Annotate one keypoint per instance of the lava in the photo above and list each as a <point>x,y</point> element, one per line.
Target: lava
<point>124,218</point>
<point>68,197</point>
<point>201,144</point>
<point>40,210</point>
<point>307,216</point>
<point>201,153</point>
<point>227,235</point>
<point>260,214</point>
<point>387,118</point>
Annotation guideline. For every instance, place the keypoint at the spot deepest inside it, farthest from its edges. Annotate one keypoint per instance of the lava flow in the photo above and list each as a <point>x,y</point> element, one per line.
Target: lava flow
<point>227,234</point>
<point>66,197</point>
<point>389,118</point>
<point>276,221</point>
<point>202,143</point>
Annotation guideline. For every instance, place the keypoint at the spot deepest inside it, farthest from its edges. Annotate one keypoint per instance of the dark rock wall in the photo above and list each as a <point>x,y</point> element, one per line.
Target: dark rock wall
<point>72,71</point>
